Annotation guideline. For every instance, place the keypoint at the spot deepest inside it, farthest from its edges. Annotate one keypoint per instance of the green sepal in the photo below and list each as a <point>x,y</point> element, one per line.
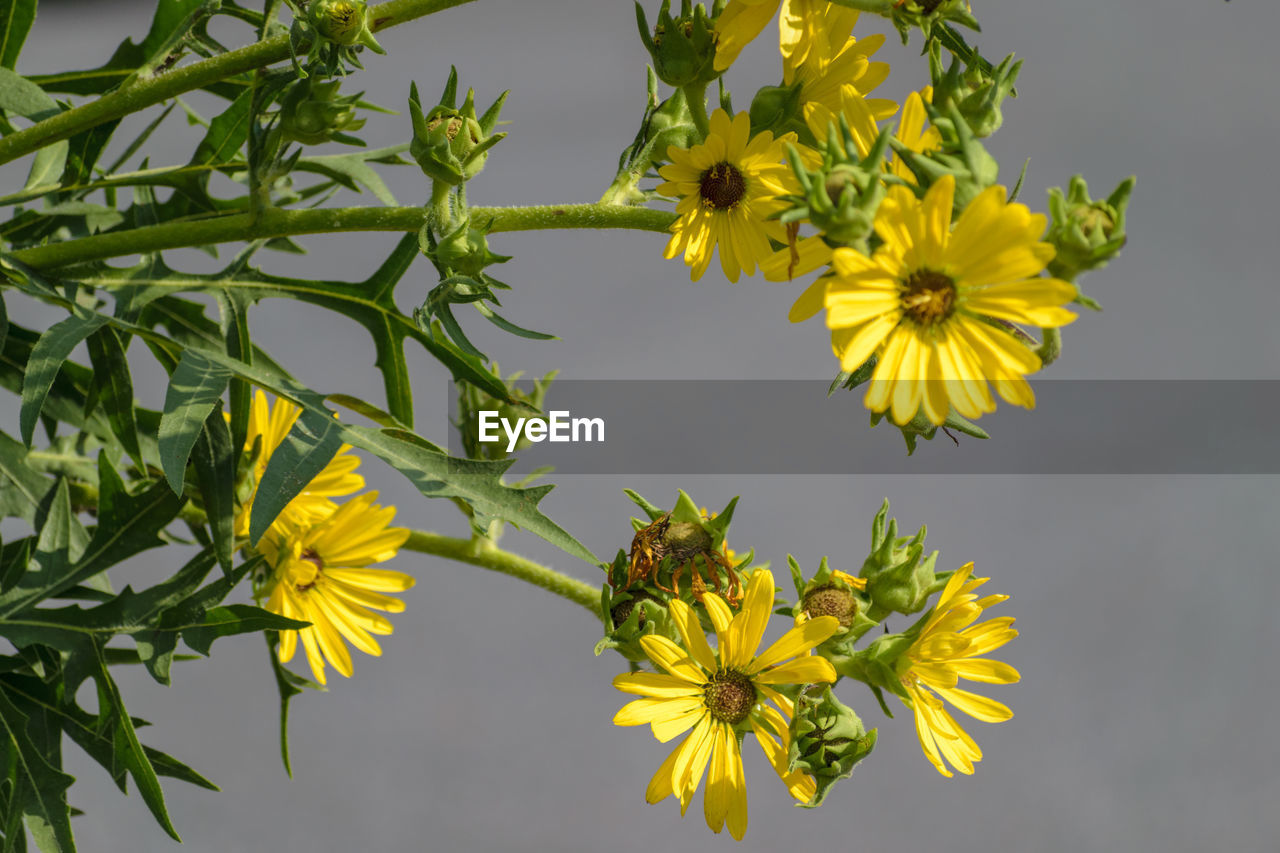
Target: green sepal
<point>827,741</point>
<point>977,90</point>
<point>921,427</point>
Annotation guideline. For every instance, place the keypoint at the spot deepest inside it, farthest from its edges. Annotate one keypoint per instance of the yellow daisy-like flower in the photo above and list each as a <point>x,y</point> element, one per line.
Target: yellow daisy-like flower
<point>934,303</point>
<point>721,694</point>
<point>727,187</point>
<point>948,649</point>
<point>321,575</point>
<point>272,424</point>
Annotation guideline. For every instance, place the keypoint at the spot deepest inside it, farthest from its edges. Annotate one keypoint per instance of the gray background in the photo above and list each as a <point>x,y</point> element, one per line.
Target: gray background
<point>1146,603</point>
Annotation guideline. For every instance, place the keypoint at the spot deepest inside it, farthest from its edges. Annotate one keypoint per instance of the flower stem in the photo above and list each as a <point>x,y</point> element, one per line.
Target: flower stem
<point>483,553</point>
<point>154,89</point>
<point>696,96</point>
<point>275,222</point>
<point>1051,348</point>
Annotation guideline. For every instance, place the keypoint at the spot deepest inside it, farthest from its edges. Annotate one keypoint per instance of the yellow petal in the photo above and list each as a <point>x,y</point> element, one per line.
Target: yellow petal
<point>795,642</point>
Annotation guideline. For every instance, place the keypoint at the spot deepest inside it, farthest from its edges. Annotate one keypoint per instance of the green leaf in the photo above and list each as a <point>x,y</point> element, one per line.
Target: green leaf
<point>235,619</point>
<point>114,386</point>
<point>351,170</point>
<point>16,17</point>
<point>127,524</point>
<point>4,322</point>
<point>194,389</point>
<point>128,751</point>
<point>81,727</point>
<point>310,445</point>
<point>173,19</point>
<point>83,152</point>
<point>288,684</point>
<point>12,571</point>
<point>39,788</point>
<point>215,469</point>
<point>20,96</point>
<point>47,356</point>
<point>22,490</point>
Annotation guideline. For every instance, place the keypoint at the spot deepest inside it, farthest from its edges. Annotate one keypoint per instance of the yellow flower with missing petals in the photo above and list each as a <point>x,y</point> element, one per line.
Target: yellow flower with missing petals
<point>272,424</point>
<point>936,303</point>
<point>912,133</point>
<point>727,187</point>
<point>831,58</point>
<point>949,648</point>
<point>320,575</point>
<point>721,695</point>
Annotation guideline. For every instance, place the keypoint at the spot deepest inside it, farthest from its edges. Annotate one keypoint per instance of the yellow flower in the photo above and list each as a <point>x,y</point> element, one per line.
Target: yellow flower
<point>728,187</point>
<point>739,23</point>
<point>912,132</point>
<point>826,58</point>
<point>320,576</point>
<point>720,695</point>
<point>803,26</point>
<point>947,650</point>
<point>935,303</point>
<point>272,424</point>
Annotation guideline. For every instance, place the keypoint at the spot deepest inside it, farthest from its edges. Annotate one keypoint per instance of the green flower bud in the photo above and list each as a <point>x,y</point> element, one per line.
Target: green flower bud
<point>1086,233</point>
<point>898,579</point>
<point>777,109</point>
<point>451,143</point>
<point>463,251</point>
<point>925,14</point>
<point>312,113</point>
<point>977,93</point>
<point>961,155</point>
<point>840,196</point>
<point>683,48</point>
<point>342,22</point>
<point>827,740</point>
<point>521,403</point>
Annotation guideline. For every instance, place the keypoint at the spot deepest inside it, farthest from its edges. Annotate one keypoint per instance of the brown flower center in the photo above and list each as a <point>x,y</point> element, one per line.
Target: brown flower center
<point>730,696</point>
<point>929,298</point>
<point>722,187</point>
<point>831,601</point>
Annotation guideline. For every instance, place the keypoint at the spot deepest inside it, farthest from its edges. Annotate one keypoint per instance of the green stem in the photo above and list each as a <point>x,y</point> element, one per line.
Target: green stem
<point>696,96</point>
<point>441,211</point>
<point>280,223</point>
<point>153,90</point>
<point>1051,348</point>
<point>876,7</point>
<point>486,555</point>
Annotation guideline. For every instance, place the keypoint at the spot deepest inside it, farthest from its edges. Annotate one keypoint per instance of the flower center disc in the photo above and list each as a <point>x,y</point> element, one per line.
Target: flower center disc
<point>722,187</point>
<point>730,696</point>
<point>829,601</point>
<point>930,297</point>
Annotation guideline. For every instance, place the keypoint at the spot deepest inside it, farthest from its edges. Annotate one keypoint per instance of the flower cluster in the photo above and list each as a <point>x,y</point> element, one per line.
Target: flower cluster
<point>932,279</point>
<point>783,695</point>
<point>320,552</point>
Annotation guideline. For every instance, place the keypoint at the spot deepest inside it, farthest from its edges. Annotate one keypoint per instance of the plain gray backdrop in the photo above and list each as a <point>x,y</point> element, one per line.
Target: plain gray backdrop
<point>1146,604</point>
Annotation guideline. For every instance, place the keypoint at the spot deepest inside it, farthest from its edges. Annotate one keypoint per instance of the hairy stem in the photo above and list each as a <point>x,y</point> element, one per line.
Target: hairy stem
<point>1051,348</point>
<point>280,223</point>
<point>153,90</point>
<point>696,96</point>
<point>483,553</point>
